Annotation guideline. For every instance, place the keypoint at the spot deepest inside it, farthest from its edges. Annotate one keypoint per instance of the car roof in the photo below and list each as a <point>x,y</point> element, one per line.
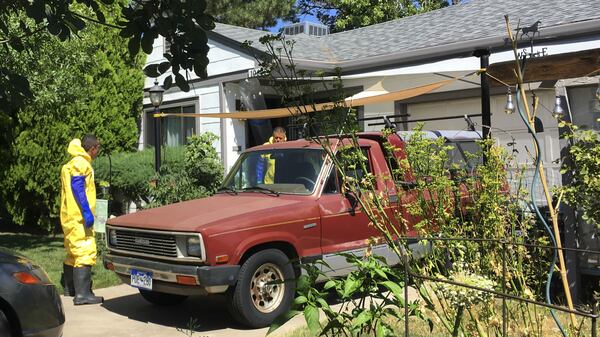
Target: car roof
<point>304,143</point>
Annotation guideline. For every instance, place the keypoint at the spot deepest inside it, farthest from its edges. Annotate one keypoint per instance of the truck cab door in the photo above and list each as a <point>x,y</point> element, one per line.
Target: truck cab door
<point>345,227</point>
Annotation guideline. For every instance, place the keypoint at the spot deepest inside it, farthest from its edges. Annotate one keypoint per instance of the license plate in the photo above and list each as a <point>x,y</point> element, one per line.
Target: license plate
<point>141,279</point>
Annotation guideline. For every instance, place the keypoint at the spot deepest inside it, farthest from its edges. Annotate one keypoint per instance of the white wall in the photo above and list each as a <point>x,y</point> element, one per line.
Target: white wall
<point>223,61</point>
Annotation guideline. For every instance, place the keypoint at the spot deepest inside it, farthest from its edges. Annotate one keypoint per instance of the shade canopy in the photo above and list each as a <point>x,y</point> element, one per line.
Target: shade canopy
<point>298,110</point>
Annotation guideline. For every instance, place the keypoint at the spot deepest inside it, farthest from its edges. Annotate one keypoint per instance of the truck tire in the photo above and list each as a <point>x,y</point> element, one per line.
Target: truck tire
<point>155,297</point>
<point>258,298</point>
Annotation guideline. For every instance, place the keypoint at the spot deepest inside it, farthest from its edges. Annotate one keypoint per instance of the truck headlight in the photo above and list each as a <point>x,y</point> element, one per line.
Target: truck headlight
<point>194,247</point>
<point>112,237</point>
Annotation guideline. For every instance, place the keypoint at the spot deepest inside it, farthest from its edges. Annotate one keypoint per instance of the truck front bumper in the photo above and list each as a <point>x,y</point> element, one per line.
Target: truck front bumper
<point>209,279</point>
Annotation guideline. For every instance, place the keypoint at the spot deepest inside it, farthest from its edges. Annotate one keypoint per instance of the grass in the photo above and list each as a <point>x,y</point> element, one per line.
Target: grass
<point>49,253</point>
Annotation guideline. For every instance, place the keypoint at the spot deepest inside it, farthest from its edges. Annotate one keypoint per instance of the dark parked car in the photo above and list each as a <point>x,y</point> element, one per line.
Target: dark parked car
<point>29,303</point>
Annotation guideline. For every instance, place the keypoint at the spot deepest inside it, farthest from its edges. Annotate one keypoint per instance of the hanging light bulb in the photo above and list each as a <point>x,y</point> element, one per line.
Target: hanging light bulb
<point>509,108</point>
<point>558,110</point>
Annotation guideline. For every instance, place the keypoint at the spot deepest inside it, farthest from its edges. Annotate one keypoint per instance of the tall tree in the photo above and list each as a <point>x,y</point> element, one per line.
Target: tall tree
<point>95,87</point>
<point>260,14</point>
<point>342,15</point>
<point>182,23</point>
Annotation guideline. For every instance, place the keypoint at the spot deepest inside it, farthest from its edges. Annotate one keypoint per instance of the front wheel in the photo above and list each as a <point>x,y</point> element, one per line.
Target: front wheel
<point>155,297</point>
<point>265,289</point>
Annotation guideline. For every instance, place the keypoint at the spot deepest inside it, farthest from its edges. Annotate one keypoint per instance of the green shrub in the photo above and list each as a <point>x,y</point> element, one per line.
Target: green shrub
<point>187,172</point>
<point>202,163</point>
<point>583,162</point>
<point>130,174</point>
<point>200,176</point>
<point>95,88</point>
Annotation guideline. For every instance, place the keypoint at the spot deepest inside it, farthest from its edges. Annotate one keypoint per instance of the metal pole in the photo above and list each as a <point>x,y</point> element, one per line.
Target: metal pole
<point>504,318</point>
<point>486,118</point>
<point>157,140</point>
<point>594,319</point>
<point>405,291</point>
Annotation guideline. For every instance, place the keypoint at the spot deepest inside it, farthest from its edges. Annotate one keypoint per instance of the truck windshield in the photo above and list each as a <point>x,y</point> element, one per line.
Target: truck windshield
<point>292,171</point>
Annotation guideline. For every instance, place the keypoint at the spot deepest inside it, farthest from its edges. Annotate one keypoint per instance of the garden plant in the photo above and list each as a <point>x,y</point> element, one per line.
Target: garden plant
<point>470,215</point>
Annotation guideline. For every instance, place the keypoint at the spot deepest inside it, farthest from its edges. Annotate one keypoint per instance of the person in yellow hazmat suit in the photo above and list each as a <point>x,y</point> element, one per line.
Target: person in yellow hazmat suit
<point>77,209</point>
<point>269,176</point>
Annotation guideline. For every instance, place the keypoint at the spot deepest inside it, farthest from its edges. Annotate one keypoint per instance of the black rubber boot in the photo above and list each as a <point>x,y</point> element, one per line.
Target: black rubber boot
<point>82,279</point>
<point>66,280</point>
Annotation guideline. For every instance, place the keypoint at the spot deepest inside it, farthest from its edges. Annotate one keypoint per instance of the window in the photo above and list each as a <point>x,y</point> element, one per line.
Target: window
<point>292,171</point>
<point>351,165</point>
<point>331,185</point>
<point>174,129</point>
<point>464,154</point>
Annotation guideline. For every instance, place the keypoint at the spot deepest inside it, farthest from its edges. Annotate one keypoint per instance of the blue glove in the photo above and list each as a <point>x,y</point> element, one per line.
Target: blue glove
<point>260,170</point>
<point>78,188</point>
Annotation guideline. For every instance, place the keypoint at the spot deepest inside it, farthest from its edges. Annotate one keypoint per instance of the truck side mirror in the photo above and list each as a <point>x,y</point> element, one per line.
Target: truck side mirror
<point>353,200</point>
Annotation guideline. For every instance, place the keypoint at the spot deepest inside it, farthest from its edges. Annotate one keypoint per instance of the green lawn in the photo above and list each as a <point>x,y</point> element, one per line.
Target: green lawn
<point>48,252</point>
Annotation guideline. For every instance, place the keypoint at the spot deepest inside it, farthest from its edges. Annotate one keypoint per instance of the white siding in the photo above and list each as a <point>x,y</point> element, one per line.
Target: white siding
<point>223,60</point>
<point>209,103</point>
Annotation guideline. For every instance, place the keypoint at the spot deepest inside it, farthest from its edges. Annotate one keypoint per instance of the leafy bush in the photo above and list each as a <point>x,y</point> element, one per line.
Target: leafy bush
<point>202,162</point>
<point>584,164</point>
<point>200,175</point>
<point>187,172</point>
<point>130,174</point>
<point>96,88</point>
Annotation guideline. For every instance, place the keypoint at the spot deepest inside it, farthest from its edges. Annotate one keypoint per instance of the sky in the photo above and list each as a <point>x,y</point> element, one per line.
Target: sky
<point>312,18</point>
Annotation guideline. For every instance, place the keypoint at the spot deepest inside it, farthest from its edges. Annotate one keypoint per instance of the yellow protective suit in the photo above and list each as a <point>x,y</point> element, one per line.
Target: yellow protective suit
<point>270,175</point>
<point>80,243</point>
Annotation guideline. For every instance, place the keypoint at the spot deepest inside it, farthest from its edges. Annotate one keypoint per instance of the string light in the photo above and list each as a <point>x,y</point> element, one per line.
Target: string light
<point>509,108</point>
<point>558,110</point>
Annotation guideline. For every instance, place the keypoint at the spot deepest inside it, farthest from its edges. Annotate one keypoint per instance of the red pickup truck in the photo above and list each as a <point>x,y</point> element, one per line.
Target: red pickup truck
<point>257,229</point>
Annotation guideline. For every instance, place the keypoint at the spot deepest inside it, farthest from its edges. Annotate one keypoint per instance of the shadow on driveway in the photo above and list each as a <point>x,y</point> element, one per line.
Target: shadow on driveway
<point>210,313</point>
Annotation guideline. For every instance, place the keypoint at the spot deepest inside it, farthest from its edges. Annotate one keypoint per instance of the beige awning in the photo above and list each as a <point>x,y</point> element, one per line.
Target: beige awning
<point>294,111</point>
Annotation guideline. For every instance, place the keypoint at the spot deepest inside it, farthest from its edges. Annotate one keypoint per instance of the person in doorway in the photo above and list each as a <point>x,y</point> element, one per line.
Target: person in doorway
<point>278,136</point>
<point>77,209</point>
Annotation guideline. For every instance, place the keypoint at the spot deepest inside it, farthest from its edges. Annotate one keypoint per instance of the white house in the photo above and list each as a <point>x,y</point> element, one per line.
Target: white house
<point>407,53</point>
<point>398,55</point>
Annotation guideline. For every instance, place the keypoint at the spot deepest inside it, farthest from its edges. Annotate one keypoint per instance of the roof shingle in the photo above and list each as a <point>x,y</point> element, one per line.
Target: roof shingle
<point>472,20</point>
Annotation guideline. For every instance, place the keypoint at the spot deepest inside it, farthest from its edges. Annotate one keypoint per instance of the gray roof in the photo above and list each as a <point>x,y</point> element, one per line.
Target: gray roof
<point>448,32</point>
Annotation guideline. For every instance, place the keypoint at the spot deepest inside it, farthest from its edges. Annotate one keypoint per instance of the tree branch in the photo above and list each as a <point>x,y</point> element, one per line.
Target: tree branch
<point>96,21</point>
<point>33,32</point>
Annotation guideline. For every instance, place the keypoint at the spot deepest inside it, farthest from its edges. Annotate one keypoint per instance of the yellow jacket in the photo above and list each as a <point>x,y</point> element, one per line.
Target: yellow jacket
<point>79,240</point>
<point>270,174</point>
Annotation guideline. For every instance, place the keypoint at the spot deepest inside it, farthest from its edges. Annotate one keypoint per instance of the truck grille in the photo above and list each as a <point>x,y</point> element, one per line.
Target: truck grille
<point>147,243</point>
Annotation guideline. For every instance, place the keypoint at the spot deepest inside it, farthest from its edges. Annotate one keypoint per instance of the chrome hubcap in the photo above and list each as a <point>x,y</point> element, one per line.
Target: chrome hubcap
<point>267,288</point>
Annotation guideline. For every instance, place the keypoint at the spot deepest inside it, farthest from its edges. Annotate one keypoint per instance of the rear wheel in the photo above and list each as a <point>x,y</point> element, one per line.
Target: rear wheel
<point>155,297</point>
<point>5,329</point>
<point>265,289</point>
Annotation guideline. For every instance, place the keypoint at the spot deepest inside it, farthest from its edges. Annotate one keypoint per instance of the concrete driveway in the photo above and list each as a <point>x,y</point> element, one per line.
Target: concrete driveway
<point>125,313</point>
